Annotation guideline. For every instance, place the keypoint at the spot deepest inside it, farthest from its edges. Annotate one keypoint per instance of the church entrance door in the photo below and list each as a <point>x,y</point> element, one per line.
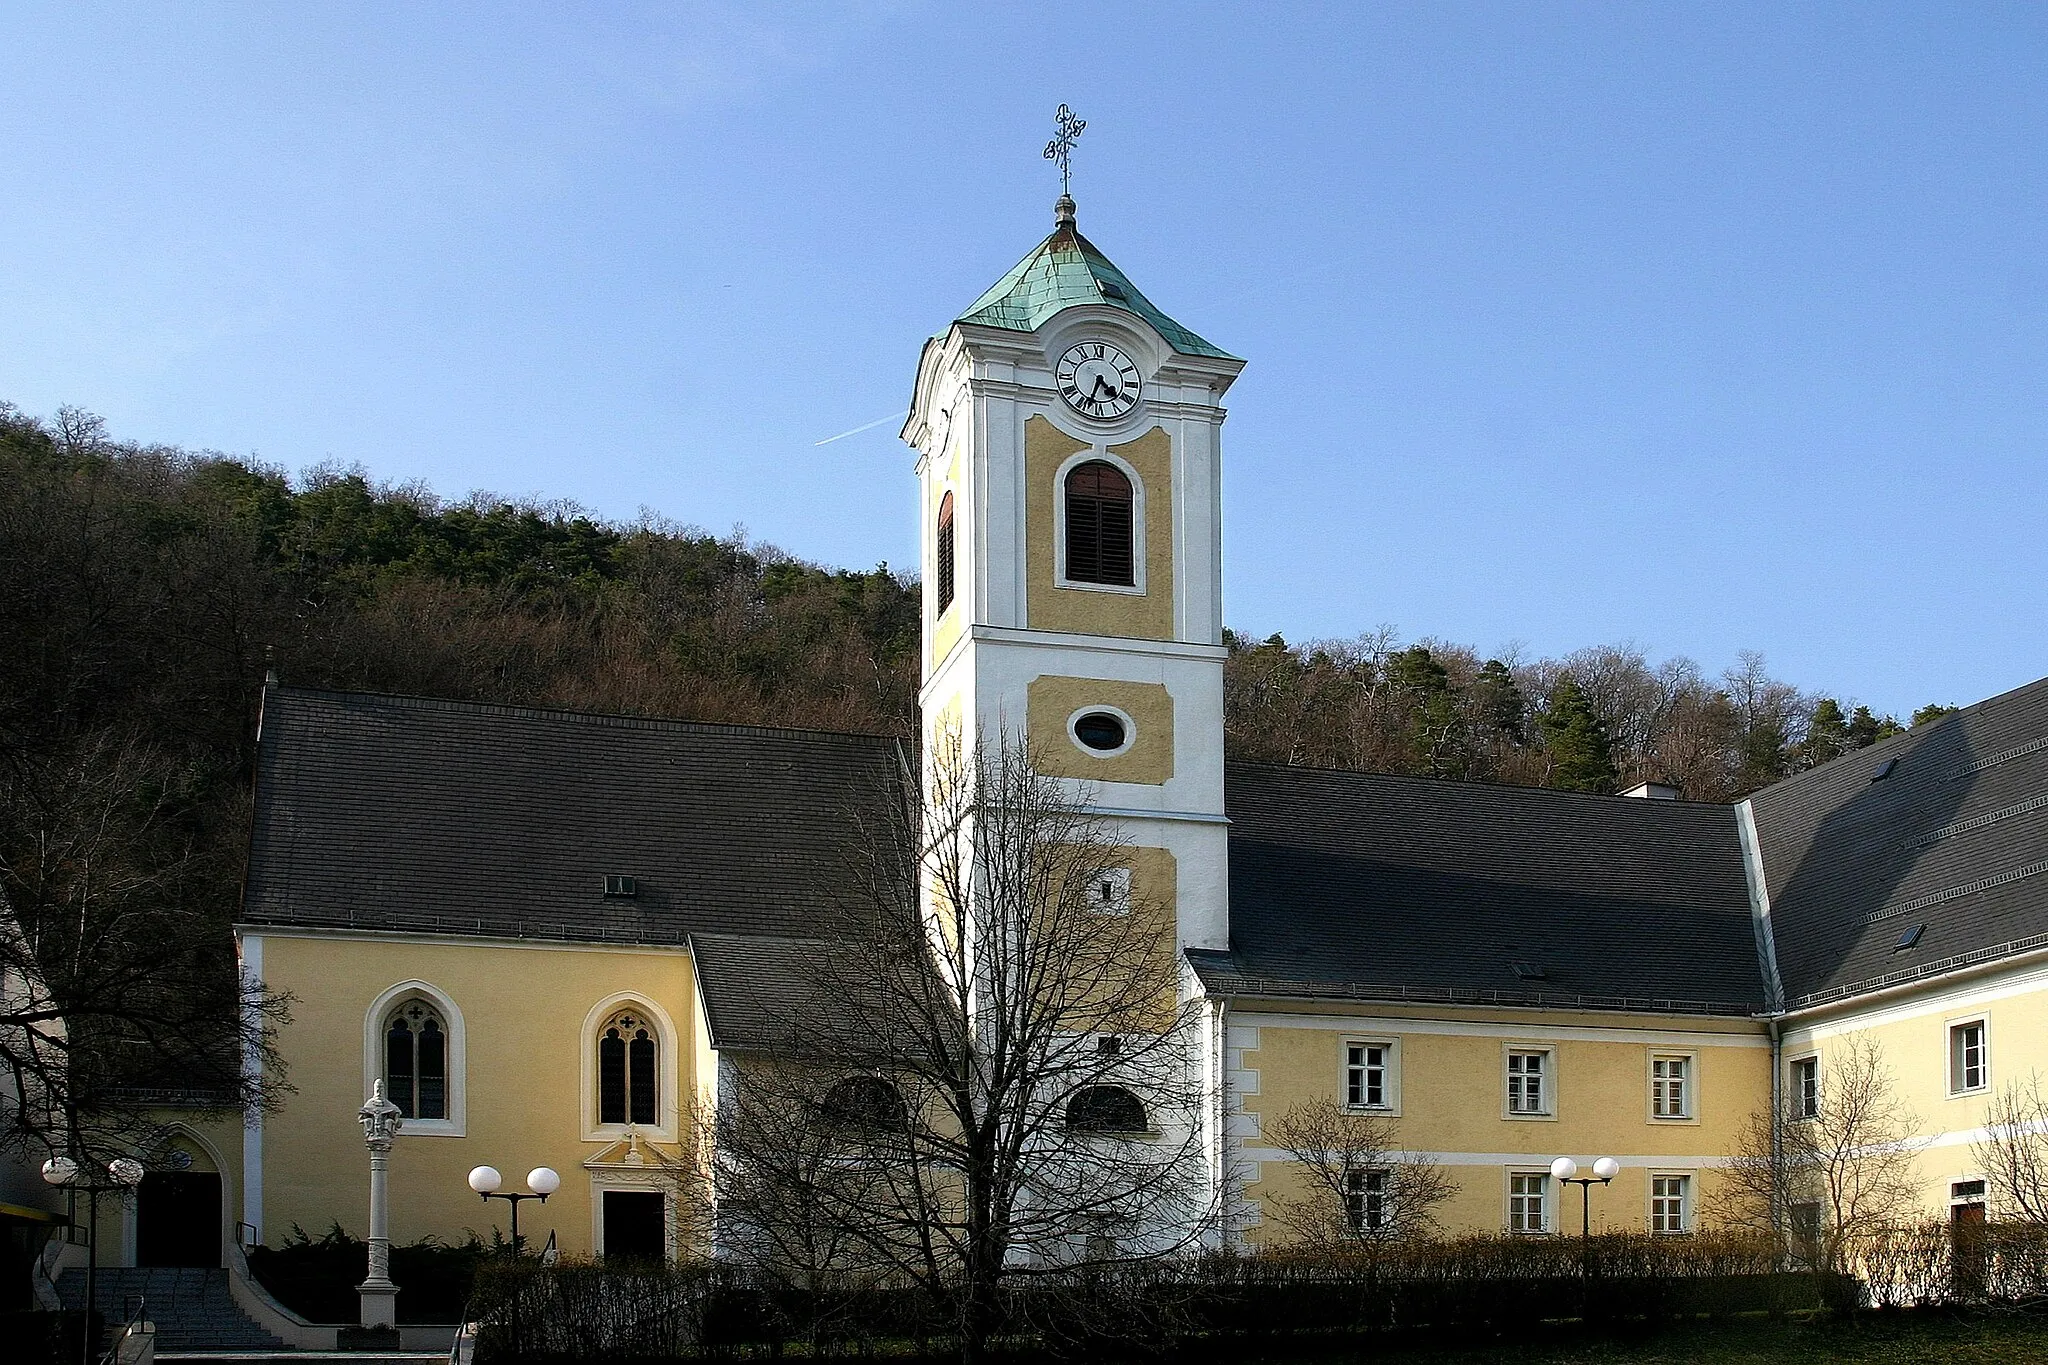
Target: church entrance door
<point>635,1226</point>
<point>177,1219</point>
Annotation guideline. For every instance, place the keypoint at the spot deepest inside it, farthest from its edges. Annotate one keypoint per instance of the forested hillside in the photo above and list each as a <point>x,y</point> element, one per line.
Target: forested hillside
<point>142,589</point>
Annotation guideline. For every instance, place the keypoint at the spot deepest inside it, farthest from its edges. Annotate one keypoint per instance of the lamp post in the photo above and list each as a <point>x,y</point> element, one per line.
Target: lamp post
<point>1566,1172</point>
<point>123,1174</point>
<point>542,1180</point>
<point>378,1296</point>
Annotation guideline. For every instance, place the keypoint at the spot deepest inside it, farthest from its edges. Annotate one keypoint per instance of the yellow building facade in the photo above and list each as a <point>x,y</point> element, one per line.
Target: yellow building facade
<point>551,935</point>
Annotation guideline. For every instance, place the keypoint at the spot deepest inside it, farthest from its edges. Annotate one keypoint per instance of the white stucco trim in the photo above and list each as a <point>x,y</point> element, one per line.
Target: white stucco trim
<point>1527,1161</point>
<point>1678,1037</point>
<point>667,1069</point>
<point>1136,588</point>
<point>1940,997</point>
<point>456,1124</point>
<point>252,1068</point>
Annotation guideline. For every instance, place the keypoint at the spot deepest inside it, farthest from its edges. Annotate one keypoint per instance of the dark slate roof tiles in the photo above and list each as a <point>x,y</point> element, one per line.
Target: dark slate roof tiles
<point>1362,884</point>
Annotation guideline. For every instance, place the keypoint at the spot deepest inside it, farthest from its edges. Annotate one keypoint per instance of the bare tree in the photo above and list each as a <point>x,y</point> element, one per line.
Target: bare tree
<point>1360,1188</point>
<point>119,992</point>
<point>998,1074</point>
<point>1830,1182</point>
<point>2014,1152</point>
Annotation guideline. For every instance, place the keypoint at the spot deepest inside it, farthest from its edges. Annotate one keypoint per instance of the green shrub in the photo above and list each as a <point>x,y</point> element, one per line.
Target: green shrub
<point>317,1277</point>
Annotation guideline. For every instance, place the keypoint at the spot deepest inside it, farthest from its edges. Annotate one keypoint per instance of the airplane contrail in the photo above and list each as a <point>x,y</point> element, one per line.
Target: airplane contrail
<point>867,426</point>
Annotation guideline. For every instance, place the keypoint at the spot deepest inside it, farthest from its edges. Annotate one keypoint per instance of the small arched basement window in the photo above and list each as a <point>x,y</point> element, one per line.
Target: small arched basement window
<point>943,553</point>
<point>626,1057</point>
<point>1105,1109</point>
<point>865,1103</point>
<point>1100,522</point>
<point>416,1060</point>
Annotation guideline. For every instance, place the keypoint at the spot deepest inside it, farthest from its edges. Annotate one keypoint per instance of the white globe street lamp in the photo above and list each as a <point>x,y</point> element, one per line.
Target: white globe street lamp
<point>123,1174</point>
<point>541,1180</point>
<point>1566,1172</point>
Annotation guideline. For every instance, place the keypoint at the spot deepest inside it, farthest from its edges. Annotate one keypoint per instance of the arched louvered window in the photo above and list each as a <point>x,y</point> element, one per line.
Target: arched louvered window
<point>1105,1109</point>
<point>1100,525</point>
<point>943,551</point>
<point>626,1059</point>
<point>416,1060</point>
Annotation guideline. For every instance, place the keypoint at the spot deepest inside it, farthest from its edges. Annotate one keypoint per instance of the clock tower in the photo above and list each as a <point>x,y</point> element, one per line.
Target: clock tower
<point>1067,434</point>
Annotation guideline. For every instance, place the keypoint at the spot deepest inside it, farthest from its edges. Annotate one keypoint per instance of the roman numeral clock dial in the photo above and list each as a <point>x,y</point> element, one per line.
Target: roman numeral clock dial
<point>1097,380</point>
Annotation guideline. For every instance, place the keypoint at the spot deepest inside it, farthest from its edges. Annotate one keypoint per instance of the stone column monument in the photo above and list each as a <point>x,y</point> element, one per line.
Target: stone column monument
<point>381,1122</point>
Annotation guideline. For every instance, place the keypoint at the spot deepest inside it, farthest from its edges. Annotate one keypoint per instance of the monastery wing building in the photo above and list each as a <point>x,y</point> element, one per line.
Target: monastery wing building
<point>549,933</point>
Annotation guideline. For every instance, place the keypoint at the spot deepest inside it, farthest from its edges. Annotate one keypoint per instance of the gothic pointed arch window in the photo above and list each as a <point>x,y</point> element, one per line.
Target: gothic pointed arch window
<point>628,1053</point>
<point>1100,525</point>
<point>942,553</point>
<point>416,1059</point>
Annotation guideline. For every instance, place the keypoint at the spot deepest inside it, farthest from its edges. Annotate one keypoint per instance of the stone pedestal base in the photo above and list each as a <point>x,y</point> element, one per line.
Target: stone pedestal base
<point>380,1304</point>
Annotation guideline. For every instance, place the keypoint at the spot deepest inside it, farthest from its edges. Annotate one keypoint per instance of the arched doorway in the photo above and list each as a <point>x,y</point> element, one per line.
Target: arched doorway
<point>178,1209</point>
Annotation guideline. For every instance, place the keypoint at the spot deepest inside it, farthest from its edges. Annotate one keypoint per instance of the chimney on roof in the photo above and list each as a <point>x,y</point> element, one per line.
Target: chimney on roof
<point>1653,791</point>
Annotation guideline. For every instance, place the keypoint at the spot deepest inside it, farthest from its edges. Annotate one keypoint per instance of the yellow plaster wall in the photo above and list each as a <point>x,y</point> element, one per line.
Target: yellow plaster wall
<point>1085,611</point>
<point>1451,1102</point>
<point>523,1010</point>
<point>1914,1039</point>
<point>1053,698</point>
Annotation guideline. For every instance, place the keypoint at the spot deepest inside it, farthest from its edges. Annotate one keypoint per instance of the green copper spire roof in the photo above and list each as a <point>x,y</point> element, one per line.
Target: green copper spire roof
<point>1066,270</point>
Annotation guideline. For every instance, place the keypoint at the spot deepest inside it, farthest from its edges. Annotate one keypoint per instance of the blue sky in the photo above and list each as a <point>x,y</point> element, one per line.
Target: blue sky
<point>1706,327</point>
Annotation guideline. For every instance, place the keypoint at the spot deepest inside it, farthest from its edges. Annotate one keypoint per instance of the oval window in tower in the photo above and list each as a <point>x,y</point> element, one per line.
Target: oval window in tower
<point>1103,731</point>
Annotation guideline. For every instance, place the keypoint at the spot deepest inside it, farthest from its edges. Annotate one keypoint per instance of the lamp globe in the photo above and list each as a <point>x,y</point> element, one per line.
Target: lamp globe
<point>60,1170</point>
<point>125,1170</point>
<point>1607,1168</point>
<point>1564,1168</point>
<point>543,1181</point>
<point>485,1179</point>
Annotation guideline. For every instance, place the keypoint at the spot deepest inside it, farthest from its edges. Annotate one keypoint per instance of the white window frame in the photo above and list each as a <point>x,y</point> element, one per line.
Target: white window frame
<point>374,1019</point>
<point>1136,588</point>
<point>1794,1106</point>
<point>1684,1198</point>
<point>604,1181</point>
<point>1130,729</point>
<point>1956,1060</point>
<point>1547,1090</point>
<point>1390,1075</point>
<point>1689,1084</point>
<point>1546,1203</point>
<point>667,1069</point>
<point>1358,1185</point>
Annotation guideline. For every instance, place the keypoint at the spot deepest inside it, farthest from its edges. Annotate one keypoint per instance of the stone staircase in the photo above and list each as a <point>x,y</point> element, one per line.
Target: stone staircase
<point>193,1311</point>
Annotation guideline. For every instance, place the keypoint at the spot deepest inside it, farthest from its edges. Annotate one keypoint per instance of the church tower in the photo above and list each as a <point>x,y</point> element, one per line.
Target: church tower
<point>1069,465</point>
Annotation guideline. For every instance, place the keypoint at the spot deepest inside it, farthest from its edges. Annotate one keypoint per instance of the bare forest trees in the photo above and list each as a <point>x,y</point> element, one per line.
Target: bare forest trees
<point>1832,1180</point>
<point>2014,1152</point>
<point>118,989</point>
<point>997,1079</point>
<point>1359,1189</point>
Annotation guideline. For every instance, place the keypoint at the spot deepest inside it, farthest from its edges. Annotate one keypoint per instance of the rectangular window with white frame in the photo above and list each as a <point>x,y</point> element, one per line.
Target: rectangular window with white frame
<point>1804,1088</point>
<point>1670,1203</point>
<point>1365,1199</point>
<point>1528,1201</point>
<point>1109,891</point>
<point>1671,1085</point>
<point>1531,1082</point>
<point>1371,1078</point>
<point>1969,1057</point>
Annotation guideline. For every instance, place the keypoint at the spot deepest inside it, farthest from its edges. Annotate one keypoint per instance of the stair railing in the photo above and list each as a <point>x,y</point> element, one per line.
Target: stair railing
<point>134,1309</point>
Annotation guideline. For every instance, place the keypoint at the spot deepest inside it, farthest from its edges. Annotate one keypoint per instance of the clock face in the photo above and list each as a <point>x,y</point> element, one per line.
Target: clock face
<point>1098,380</point>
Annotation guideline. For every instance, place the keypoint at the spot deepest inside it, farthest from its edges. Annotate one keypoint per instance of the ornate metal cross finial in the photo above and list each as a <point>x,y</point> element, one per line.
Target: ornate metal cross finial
<point>1068,132</point>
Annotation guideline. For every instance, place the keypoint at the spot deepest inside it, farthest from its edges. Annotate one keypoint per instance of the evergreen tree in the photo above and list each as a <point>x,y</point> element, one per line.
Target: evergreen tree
<point>1581,757</point>
<point>1827,734</point>
<point>1498,704</point>
<point>1436,727</point>
<point>1866,729</point>
<point>1933,711</point>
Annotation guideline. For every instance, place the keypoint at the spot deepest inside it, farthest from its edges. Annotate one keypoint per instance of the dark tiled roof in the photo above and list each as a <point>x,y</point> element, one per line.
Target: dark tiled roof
<point>1954,837</point>
<point>759,991</point>
<point>405,813</point>
<point>1364,885</point>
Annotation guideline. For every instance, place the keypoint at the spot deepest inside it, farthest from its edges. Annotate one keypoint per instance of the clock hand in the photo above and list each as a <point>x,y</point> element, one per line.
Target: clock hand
<point>1102,386</point>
